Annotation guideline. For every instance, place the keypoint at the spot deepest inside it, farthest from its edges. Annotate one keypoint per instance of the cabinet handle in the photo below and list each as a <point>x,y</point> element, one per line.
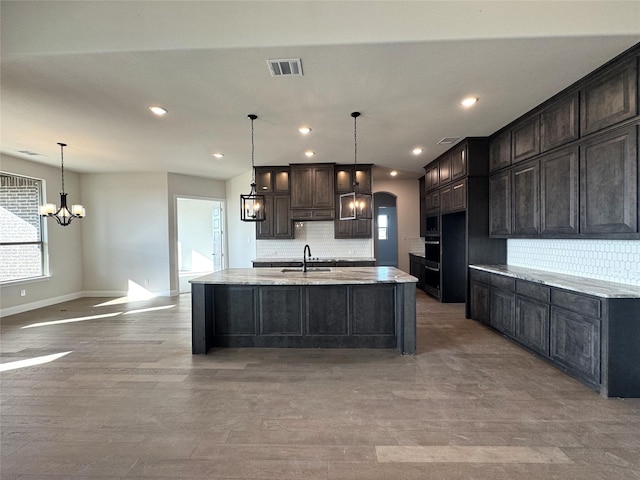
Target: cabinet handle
<point>432,269</point>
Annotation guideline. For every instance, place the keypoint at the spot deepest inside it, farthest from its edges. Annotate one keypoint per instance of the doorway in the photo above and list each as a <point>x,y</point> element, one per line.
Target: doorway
<point>200,239</point>
<point>385,235</point>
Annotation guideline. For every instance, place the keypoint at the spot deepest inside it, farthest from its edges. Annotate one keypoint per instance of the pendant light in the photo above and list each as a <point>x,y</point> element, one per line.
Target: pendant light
<point>252,205</point>
<point>355,205</point>
<point>62,214</point>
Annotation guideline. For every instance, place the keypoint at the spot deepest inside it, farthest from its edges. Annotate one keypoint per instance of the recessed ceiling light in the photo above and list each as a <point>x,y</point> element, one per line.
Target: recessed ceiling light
<point>417,150</point>
<point>309,153</point>
<point>468,101</point>
<point>218,155</point>
<point>393,173</point>
<point>158,110</point>
<point>304,130</point>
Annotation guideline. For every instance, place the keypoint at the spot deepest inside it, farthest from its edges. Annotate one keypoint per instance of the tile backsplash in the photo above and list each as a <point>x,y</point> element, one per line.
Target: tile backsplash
<point>610,260</point>
<point>319,236</point>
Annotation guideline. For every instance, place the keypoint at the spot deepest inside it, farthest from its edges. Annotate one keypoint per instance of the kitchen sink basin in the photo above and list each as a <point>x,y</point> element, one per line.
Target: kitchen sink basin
<point>309,270</point>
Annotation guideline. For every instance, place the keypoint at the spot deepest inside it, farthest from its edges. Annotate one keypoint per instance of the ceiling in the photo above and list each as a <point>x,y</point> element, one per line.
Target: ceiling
<point>84,73</point>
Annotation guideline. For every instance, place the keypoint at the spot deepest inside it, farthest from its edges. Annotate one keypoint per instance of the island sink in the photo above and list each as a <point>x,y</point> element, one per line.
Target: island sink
<point>309,269</point>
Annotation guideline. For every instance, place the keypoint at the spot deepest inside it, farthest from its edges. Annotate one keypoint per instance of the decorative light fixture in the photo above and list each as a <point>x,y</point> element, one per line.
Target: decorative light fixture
<point>252,205</point>
<point>355,205</point>
<point>62,215</point>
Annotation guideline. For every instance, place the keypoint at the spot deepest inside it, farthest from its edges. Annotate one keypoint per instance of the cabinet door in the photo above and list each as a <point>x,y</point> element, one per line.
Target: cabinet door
<point>445,169</point>
<point>323,186</point>
<point>559,192</point>
<point>423,208</point>
<point>525,140</point>
<point>302,178</point>
<point>609,183</point>
<point>480,301</point>
<point>459,196</point>
<point>282,225</point>
<point>446,200</point>
<point>500,151</point>
<point>264,230</point>
<point>363,176</point>
<point>575,343</point>
<point>559,123</point>
<point>344,179</point>
<point>526,213</point>
<point>281,180</point>
<point>610,98</point>
<point>361,229</point>
<point>432,176</point>
<point>532,324</point>
<point>459,163</point>
<point>263,180</point>
<point>503,311</point>
<point>500,204</point>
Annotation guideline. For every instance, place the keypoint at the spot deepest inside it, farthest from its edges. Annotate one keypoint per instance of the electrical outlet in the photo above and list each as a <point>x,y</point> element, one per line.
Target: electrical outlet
<point>23,293</point>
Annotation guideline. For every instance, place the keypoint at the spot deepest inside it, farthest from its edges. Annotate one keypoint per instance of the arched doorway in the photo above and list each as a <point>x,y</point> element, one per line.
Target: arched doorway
<point>385,235</point>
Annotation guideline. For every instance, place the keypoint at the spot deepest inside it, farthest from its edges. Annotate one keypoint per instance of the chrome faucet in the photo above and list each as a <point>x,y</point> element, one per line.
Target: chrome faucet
<point>304,257</point>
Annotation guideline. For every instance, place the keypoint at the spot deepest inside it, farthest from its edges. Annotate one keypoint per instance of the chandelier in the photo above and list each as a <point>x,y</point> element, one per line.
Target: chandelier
<point>252,205</point>
<point>355,205</point>
<point>62,214</point>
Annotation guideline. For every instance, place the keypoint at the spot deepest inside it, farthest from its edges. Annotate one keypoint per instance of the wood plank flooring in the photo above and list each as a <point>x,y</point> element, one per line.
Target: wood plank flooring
<point>117,394</point>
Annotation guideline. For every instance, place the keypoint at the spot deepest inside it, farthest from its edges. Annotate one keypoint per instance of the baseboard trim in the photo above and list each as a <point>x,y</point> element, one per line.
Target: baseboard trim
<point>25,307</point>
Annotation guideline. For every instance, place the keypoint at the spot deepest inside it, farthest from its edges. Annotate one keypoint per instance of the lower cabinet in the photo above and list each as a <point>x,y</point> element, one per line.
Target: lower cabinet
<point>416,268</point>
<point>594,339</point>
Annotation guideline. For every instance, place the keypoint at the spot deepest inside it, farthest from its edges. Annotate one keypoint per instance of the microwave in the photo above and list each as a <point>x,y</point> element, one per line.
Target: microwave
<point>433,223</point>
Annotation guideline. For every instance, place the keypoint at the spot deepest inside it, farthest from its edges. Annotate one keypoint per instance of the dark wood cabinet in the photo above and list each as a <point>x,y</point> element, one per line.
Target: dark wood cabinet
<point>502,311</point>
<point>500,204</point>
<point>445,169</point>
<point>432,176</point>
<point>459,162</point>
<point>416,268</point>
<point>432,201</point>
<point>559,193</point>
<point>273,183</point>
<point>609,183</point>
<point>344,184</point>
<point>500,151</point>
<point>559,122</point>
<point>459,195</point>
<point>272,179</point>
<point>610,98</point>
<point>525,138</point>
<point>312,191</point>
<point>423,207</point>
<point>532,324</point>
<point>479,301</point>
<point>525,203</point>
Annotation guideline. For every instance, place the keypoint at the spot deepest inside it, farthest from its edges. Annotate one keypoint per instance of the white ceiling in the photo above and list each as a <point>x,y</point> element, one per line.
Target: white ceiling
<point>84,73</point>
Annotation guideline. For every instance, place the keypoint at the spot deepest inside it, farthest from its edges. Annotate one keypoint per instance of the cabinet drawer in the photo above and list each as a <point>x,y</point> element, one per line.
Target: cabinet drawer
<point>575,302</point>
<point>480,276</point>
<point>533,290</point>
<point>503,282</point>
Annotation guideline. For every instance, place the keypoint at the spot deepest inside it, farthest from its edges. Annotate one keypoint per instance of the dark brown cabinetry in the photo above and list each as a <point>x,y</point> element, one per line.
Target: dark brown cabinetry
<point>609,183</point>
<point>559,193</point>
<point>423,207</point>
<point>312,191</point>
<point>591,338</point>
<point>344,175</point>
<point>610,98</point>
<point>586,141</point>
<point>416,268</point>
<point>459,163</point>
<point>273,183</point>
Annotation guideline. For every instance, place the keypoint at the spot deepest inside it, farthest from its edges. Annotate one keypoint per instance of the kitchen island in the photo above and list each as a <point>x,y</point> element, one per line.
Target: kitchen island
<point>351,307</point>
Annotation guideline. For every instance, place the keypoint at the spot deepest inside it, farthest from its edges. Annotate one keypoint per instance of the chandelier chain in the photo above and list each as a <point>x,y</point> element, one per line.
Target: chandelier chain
<point>62,164</point>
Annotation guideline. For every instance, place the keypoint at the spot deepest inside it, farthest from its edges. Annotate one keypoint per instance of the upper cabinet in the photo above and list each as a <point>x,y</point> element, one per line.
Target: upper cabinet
<point>459,162</point>
<point>579,176</point>
<point>312,191</point>
<point>273,183</point>
<point>344,175</point>
<point>272,179</point>
<point>610,98</point>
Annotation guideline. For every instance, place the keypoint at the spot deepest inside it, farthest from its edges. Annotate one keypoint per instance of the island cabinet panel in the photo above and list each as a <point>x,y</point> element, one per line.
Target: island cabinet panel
<point>500,151</point>
<point>373,309</point>
<point>525,139</point>
<point>610,98</point>
<point>526,185</point>
<point>575,343</point>
<point>500,204</point>
<point>327,310</point>
<point>609,183</point>
<point>234,310</point>
<point>279,310</point>
<point>559,122</point>
<point>559,193</point>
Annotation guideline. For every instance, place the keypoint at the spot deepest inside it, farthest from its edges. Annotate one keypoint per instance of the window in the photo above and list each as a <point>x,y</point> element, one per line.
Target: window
<point>21,237</point>
<point>382,227</point>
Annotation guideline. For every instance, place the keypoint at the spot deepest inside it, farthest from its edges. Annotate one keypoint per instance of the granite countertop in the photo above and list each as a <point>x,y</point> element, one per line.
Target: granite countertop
<point>336,276</point>
<point>589,286</point>
<point>313,259</point>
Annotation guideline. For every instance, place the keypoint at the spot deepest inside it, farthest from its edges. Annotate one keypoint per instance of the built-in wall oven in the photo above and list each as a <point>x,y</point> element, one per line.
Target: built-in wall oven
<point>432,251</point>
<point>432,265</point>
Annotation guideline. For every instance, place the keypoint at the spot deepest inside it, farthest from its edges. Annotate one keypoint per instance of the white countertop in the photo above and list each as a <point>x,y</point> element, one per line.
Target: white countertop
<point>313,259</point>
<point>336,276</point>
<point>589,286</point>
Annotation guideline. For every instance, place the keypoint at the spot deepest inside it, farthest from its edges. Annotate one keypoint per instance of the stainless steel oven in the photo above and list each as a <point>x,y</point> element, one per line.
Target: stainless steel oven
<point>432,251</point>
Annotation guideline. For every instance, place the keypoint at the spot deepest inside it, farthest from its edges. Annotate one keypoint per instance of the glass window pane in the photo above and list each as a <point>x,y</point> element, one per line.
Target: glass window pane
<point>19,209</point>
<point>382,221</point>
<point>20,261</point>
<point>382,233</point>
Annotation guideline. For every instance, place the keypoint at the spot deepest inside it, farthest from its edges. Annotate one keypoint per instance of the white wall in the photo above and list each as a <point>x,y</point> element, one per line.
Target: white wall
<point>125,233</point>
<point>408,209</point>
<point>64,244</point>
<point>187,186</point>
<point>241,235</point>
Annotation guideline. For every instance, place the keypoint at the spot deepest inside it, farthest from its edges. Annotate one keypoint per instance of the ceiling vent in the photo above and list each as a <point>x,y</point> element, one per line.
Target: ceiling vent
<point>285,67</point>
<point>448,140</point>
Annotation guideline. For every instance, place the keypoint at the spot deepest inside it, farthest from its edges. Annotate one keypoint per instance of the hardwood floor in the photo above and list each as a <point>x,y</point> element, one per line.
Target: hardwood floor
<point>128,400</point>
